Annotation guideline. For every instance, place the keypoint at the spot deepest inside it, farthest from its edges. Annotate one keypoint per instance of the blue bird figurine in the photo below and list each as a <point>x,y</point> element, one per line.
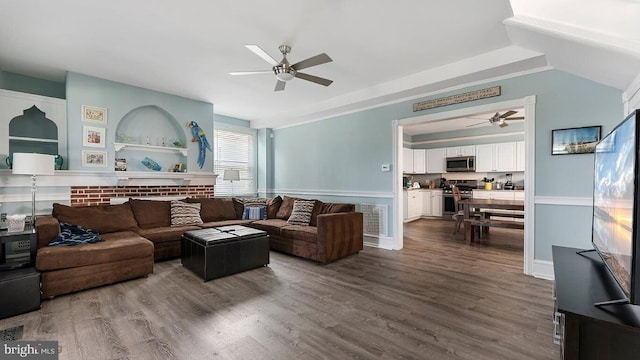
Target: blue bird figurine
<point>203,144</point>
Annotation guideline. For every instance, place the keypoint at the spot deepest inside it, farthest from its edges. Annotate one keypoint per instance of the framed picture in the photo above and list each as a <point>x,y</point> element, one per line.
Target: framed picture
<point>121,165</point>
<point>94,158</point>
<point>93,136</point>
<point>581,140</point>
<point>94,114</point>
<point>177,167</point>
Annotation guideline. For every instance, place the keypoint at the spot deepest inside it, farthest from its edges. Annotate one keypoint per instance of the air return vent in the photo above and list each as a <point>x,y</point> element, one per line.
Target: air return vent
<point>375,219</point>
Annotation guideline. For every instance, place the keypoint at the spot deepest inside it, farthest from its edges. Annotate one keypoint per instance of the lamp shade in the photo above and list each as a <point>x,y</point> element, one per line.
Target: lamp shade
<point>33,164</point>
<point>232,175</point>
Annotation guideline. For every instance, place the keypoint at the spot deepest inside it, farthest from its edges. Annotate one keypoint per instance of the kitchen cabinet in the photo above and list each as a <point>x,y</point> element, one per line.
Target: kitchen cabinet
<point>432,203</point>
<point>436,160</point>
<point>520,151</point>
<point>426,202</point>
<point>455,151</point>
<point>414,204</point>
<point>407,161</point>
<point>496,157</point>
<point>419,166</point>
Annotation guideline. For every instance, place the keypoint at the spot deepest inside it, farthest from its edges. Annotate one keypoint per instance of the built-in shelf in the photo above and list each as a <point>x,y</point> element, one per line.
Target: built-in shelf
<point>152,148</point>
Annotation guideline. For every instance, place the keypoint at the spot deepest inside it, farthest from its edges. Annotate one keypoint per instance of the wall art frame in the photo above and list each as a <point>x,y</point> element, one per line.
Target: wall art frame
<point>571,141</point>
<point>93,136</point>
<point>92,158</point>
<point>94,114</point>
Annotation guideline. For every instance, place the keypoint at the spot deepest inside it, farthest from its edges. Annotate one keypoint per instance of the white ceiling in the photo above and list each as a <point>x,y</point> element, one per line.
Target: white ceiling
<point>382,51</point>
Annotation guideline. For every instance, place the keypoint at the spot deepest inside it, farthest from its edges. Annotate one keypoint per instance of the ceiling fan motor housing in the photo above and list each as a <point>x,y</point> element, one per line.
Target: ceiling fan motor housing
<point>284,71</point>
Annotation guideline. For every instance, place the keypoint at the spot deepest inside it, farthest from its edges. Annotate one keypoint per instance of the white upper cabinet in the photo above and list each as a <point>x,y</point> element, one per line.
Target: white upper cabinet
<point>419,166</point>
<point>436,160</point>
<point>485,158</point>
<point>496,157</point>
<point>407,161</point>
<point>520,151</point>
<point>455,151</point>
<point>506,156</point>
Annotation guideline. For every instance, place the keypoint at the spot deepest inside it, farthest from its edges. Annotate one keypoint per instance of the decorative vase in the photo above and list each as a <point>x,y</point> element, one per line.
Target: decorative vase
<point>59,161</point>
<point>9,161</point>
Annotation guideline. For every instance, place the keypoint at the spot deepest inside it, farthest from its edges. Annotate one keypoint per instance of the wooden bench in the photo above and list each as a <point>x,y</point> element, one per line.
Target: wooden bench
<point>486,223</point>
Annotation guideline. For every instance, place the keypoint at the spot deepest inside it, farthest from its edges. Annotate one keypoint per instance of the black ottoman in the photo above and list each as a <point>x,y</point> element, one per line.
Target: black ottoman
<point>218,252</point>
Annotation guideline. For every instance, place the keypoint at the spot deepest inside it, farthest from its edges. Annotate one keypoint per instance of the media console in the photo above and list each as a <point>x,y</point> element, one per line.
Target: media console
<point>583,330</point>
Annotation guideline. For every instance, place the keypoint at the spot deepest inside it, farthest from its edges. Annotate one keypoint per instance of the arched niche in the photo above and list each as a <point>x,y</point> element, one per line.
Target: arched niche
<point>33,132</point>
<point>153,122</point>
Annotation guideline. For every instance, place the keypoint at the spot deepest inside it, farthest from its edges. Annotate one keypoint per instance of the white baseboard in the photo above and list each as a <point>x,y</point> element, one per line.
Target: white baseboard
<point>377,241</point>
<point>543,269</point>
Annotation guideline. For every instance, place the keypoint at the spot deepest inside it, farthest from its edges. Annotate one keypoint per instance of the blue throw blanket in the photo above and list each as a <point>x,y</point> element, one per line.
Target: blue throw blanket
<point>74,235</point>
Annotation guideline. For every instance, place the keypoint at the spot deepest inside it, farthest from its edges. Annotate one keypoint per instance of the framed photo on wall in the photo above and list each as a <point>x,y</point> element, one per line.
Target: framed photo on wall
<point>580,140</point>
<point>94,158</point>
<point>94,114</point>
<point>93,136</point>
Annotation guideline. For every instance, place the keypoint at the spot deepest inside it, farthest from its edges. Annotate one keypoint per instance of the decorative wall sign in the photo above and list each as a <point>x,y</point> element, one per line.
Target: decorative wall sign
<point>93,136</point>
<point>94,114</point>
<point>94,158</point>
<point>456,99</point>
<point>580,140</point>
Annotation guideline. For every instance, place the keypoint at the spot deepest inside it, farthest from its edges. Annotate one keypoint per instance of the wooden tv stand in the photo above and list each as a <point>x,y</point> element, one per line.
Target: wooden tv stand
<point>583,330</point>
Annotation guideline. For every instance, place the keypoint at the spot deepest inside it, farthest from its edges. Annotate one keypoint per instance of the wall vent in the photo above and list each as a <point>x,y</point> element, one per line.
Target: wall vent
<point>375,219</point>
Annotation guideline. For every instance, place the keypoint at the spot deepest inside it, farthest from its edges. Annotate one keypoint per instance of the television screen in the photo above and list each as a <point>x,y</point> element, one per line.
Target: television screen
<point>614,192</point>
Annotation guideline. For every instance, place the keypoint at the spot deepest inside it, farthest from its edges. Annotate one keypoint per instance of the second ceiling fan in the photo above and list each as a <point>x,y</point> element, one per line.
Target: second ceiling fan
<point>285,71</point>
<point>500,120</point>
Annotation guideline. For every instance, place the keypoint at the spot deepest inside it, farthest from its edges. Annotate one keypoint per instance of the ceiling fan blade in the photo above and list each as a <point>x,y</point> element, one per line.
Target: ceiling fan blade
<point>508,113</point>
<point>314,79</point>
<point>477,124</point>
<point>503,124</point>
<point>312,61</point>
<point>280,85</point>
<point>515,118</point>
<point>258,51</point>
<point>251,72</point>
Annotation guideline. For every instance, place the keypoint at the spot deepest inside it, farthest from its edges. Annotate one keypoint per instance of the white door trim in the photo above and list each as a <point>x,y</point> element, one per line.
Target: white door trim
<point>529,105</point>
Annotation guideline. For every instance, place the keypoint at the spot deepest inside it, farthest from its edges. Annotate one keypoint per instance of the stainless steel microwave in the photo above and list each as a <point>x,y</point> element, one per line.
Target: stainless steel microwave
<point>461,164</point>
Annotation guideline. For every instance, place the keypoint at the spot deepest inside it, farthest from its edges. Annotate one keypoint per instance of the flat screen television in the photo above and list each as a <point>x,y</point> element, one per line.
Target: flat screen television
<point>616,207</point>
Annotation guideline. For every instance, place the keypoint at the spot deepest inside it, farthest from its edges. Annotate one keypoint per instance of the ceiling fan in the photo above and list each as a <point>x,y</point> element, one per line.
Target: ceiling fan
<point>285,71</point>
<point>500,120</point>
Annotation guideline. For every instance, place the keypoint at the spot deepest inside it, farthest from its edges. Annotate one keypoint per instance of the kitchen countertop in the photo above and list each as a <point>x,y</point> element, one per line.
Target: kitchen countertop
<point>483,189</point>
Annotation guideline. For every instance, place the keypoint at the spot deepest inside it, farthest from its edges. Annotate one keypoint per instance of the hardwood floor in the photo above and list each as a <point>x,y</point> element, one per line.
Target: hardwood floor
<point>436,299</point>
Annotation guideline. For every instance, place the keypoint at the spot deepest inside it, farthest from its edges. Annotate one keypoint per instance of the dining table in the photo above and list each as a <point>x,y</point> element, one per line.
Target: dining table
<point>472,205</point>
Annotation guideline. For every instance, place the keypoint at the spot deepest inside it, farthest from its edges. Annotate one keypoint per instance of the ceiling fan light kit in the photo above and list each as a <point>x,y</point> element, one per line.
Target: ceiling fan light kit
<point>284,71</point>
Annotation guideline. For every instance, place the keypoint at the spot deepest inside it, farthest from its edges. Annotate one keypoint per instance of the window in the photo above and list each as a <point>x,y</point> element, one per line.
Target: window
<point>235,149</point>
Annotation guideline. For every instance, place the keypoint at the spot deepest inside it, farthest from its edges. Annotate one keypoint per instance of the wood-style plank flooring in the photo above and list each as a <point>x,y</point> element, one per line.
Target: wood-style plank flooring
<point>436,299</point>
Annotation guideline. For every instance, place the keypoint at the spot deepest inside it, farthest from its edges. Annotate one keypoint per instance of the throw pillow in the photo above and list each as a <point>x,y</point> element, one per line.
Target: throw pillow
<point>301,213</point>
<point>183,213</point>
<point>254,213</point>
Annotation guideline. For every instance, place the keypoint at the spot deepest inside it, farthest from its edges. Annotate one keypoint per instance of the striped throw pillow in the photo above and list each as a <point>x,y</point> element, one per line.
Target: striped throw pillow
<point>184,213</point>
<point>254,213</point>
<point>301,213</point>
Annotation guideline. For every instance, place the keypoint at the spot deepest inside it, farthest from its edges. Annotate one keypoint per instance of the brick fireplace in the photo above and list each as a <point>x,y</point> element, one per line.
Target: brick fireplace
<point>102,195</point>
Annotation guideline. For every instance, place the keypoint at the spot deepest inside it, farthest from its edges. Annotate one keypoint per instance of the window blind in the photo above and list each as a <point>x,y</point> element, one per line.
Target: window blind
<point>235,149</point>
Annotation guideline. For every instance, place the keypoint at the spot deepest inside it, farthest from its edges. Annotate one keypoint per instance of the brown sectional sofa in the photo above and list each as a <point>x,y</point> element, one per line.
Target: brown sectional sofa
<point>139,232</point>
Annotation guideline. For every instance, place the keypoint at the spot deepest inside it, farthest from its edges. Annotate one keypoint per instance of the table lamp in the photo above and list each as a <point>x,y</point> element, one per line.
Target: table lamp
<point>231,175</point>
<point>34,165</point>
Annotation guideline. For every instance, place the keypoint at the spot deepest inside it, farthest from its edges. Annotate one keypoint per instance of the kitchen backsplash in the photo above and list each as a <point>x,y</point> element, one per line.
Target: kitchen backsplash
<point>424,179</point>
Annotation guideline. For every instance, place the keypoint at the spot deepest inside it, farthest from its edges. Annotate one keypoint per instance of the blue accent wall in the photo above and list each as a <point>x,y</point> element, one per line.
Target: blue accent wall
<point>119,99</point>
<point>31,85</point>
<point>344,153</point>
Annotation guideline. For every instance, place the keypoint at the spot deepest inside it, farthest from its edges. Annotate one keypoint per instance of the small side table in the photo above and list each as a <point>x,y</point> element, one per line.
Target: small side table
<point>19,280</point>
<point>20,291</point>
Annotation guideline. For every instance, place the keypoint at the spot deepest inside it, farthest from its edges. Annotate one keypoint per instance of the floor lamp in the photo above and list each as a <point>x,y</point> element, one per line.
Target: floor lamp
<point>231,175</point>
<point>34,165</point>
